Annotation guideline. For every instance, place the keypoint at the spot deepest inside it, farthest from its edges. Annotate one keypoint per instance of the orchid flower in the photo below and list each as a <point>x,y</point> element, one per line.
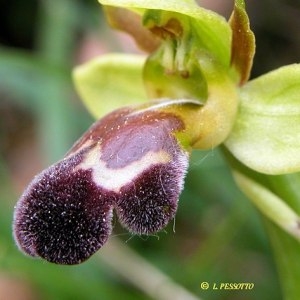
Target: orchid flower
<point>191,92</point>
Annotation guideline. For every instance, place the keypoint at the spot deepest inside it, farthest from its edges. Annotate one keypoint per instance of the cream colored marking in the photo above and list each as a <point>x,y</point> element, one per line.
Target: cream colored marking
<point>115,179</point>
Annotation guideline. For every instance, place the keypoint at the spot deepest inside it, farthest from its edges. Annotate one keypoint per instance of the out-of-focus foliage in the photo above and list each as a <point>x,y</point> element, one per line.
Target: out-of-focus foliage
<point>218,234</point>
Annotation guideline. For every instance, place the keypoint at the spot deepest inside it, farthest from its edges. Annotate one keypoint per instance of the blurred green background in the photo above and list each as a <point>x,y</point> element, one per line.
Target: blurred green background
<point>219,236</point>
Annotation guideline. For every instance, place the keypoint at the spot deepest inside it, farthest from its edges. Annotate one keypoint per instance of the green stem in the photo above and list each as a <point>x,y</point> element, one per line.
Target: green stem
<point>287,256</point>
<point>54,43</point>
<point>141,273</point>
<point>285,247</point>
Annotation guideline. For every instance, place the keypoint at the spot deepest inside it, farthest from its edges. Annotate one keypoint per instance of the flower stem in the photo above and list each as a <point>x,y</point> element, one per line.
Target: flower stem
<point>286,247</point>
<point>141,273</point>
<point>287,256</point>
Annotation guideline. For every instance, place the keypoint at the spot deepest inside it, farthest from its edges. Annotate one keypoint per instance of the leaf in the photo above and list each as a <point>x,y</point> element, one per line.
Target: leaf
<point>266,134</point>
<point>214,31</point>
<point>109,82</point>
<point>243,41</point>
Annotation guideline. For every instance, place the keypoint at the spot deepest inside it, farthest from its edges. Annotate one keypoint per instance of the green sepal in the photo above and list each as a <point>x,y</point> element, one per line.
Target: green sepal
<point>110,82</point>
<point>266,134</point>
<point>213,29</point>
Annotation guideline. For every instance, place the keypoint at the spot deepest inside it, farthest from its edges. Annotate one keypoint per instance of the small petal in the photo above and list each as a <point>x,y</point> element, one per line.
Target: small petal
<point>131,22</point>
<point>243,41</point>
<point>63,216</point>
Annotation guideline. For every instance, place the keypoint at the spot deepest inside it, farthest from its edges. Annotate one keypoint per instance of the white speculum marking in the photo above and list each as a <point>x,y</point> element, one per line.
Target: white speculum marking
<point>114,179</point>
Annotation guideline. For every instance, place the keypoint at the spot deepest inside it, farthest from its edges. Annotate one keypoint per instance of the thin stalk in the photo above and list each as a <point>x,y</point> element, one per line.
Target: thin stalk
<point>143,275</point>
<point>287,257</point>
<point>285,247</point>
<point>55,42</point>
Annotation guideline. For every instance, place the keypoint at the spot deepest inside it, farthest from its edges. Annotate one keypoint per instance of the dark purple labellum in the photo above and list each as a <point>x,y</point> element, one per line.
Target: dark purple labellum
<point>63,216</point>
<point>146,205</point>
<point>128,161</point>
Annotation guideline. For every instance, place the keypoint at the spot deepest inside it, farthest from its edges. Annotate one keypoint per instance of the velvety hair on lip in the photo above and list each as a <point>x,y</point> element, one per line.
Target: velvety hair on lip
<point>128,162</point>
